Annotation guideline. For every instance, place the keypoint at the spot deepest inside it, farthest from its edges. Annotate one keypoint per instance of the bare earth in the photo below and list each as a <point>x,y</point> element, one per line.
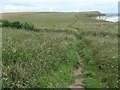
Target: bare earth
<point>5,15</point>
<point>79,82</point>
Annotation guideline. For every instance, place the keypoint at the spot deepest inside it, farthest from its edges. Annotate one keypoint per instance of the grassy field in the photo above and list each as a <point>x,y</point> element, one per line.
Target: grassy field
<point>33,59</point>
<point>48,58</point>
<point>46,20</point>
<point>101,53</point>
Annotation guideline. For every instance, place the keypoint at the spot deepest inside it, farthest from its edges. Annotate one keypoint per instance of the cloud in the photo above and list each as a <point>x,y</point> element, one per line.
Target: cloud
<point>59,5</point>
<point>78,1</point>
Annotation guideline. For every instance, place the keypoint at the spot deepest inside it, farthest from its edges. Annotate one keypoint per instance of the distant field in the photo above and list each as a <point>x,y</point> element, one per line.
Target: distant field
<point>8,15</point>
<point>48,58</point>
<point>54,20</point>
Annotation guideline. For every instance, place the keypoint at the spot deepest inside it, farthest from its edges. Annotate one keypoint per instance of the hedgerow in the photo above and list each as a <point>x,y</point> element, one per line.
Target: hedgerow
<point>17,24</point>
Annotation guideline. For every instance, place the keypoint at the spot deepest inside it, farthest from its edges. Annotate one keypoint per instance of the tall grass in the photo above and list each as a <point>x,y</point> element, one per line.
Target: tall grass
<point>99,49</point>
<point>47,58</point>
<point>32,59</point>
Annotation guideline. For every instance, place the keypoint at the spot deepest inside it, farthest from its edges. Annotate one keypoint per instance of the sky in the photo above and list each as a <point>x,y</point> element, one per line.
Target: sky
<point>105,6</point>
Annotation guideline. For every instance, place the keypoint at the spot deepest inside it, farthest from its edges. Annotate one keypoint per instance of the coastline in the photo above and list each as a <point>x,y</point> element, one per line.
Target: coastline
<point>108,18</point>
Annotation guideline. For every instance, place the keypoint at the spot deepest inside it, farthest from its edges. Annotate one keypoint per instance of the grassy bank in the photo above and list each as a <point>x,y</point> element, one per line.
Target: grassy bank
<point>48,57</point>
<point>99,49</point>
<point>34,59</point>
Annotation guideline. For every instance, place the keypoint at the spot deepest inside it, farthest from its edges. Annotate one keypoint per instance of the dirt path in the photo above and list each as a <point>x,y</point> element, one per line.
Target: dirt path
<point>79,81</point>
<point>78,73</point>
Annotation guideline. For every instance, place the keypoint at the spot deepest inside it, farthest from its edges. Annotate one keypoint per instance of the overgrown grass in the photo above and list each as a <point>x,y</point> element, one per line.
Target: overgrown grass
<point>47,58</point>
<point>99,49</point>
<point>32,59</point>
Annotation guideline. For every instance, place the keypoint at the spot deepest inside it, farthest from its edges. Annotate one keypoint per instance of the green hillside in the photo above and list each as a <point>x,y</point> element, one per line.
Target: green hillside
<point>48,57</point>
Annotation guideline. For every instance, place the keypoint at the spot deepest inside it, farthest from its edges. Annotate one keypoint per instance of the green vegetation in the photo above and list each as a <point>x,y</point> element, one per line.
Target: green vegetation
<point>99,49</point>
<point>48,57</point>
<point>17,24</point>
<point>33,59</point>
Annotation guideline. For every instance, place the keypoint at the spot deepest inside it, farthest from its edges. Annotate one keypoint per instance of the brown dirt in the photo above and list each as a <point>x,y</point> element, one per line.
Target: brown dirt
<point>5,15</point>
<point>78,84</point>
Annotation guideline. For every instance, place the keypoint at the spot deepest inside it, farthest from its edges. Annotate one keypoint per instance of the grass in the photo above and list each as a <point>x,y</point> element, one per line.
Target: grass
<point>54,20</point>
<point>1,58</point>
<point>34,59</point>
<point>100,52</point>
<point>48,57</point>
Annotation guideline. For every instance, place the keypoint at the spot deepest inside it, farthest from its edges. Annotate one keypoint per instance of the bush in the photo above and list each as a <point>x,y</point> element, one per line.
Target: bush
<point>28,26</point>
<point>16,24</point>
<point>6,23</point>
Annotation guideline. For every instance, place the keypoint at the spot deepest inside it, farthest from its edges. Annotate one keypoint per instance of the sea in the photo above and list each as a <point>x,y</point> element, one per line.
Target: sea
<point>112,17</point>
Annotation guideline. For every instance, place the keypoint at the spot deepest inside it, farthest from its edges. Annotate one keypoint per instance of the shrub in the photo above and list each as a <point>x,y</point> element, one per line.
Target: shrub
<point>16,24</point>
<point>6,23</point>
<point>28,26</point>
